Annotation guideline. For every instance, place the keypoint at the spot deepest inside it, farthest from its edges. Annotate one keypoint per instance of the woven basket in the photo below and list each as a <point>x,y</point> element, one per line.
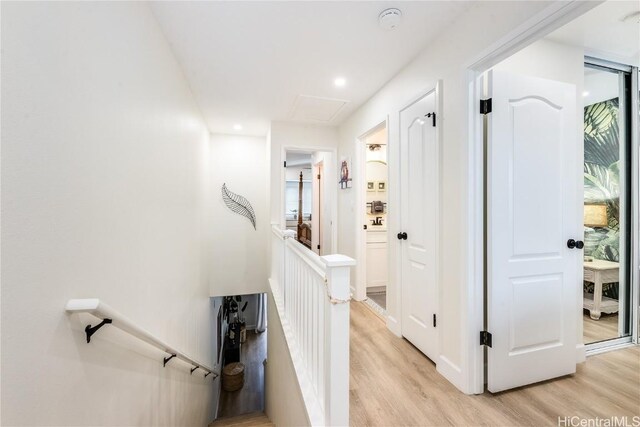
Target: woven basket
<point>233,376</point>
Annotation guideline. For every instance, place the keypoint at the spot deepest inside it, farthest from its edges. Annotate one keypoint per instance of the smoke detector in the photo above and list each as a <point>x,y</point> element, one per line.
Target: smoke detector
<point>389,19</point>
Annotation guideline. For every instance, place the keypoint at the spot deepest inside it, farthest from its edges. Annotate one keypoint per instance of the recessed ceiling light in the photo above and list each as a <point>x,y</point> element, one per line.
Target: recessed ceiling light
<point>389,19</point>
<point>585,93</point>
<point>340,81</point>
<point>237,127</point>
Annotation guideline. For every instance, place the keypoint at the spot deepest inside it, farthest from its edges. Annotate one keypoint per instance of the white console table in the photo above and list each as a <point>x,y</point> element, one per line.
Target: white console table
<point>599,272</point>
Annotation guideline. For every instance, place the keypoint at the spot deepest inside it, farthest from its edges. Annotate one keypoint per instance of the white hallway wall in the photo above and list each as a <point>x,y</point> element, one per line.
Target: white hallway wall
<point>104,194</point>
<point>445,59</point>
<point>239,261</point>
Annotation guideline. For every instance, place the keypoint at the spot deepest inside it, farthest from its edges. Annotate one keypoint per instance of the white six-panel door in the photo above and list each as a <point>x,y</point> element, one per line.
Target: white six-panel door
<point>419,217</point>
<point>533,209</point>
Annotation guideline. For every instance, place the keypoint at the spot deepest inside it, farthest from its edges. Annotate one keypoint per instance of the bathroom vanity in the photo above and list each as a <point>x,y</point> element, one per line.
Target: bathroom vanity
<point>377,265</point>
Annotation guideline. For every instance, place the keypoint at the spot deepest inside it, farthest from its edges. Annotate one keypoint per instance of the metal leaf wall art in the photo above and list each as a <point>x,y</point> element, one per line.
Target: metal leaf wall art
<point>238,204</point>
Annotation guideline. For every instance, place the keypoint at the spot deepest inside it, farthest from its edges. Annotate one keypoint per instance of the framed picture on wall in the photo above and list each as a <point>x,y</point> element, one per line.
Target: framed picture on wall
<point>345,173</point>
<point>382,186</point>
<point>371,186</point>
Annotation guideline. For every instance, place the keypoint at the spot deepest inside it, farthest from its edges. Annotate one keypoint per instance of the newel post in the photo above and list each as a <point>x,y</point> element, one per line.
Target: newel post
<point>336,399</point>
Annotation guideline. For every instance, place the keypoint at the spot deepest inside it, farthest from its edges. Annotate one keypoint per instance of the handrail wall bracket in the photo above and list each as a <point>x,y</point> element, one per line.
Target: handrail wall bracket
<point>166,360</point>
<point>90,330</point>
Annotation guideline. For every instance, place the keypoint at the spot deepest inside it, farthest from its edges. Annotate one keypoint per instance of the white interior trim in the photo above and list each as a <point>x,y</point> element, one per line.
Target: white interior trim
<point>635,206</point>
<point>551,18</point>
<point>607,64</point>
<point>610,346</point>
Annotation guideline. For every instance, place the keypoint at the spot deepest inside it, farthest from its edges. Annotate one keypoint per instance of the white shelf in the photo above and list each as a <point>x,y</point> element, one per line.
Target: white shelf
<point>608,305</point>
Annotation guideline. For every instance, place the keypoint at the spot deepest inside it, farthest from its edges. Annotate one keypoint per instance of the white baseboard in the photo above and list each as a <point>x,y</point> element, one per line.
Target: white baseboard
<point>354,295</point>
<point>375,307</point>
<point>394,326</point>
<point>452,373</point>
<point>581,353</point>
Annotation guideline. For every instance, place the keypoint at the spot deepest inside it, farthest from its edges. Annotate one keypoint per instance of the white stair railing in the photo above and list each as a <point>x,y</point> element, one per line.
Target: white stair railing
<point>312,296</point>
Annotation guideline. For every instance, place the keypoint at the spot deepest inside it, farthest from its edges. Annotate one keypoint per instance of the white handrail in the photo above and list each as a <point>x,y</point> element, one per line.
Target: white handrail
<point>103,312</point>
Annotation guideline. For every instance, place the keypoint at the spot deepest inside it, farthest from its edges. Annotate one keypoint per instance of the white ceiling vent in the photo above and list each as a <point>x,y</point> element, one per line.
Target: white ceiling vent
<point>316,109</point>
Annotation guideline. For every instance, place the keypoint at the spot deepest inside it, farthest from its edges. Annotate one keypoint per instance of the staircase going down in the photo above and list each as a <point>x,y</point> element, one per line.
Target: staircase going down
<point>255,419</point>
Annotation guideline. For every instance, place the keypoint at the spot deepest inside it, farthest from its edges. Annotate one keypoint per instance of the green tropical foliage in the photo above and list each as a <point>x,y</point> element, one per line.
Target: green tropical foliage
<point>602,158</point>
<point>601,142</point>
<point>602,178</point>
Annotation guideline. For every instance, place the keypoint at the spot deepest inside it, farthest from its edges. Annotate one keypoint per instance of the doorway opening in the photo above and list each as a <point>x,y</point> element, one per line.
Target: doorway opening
<point>376,173</point>
<point>607,213</point>
<point>298,196</point>
<point>241,350</point>
<point>307,198</point>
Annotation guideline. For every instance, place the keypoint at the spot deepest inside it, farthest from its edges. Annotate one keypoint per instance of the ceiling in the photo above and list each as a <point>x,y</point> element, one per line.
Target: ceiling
<point>603,34</point>
<point>295,158</point>
<point>249,63</point>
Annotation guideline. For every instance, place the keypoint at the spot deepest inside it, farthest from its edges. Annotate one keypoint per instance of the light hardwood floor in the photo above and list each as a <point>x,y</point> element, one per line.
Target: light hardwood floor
<point>250,398</point>
<point>393,384</point>
<point>255,419</point>
<point>602,329</point>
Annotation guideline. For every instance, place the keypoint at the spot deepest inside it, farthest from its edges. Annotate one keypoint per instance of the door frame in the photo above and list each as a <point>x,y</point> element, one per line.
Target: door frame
<point>632,300</point>
<point>318,185</point>
<point>359,290</point>
<point>537,27</point>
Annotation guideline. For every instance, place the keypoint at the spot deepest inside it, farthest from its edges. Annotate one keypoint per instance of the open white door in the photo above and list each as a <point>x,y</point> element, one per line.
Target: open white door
<point>419,202</point>
<point>533,209</point>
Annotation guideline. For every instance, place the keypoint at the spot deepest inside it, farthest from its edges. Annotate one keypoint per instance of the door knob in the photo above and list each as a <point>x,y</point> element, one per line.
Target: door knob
<point>402,236</point>
<point>571,244</point>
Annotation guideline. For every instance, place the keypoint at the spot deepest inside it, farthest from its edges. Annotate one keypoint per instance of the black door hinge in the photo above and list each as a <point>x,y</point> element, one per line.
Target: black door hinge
<point>318,247</point>
<point>318,176</point>
<point>433,118</point>
<point>486,338</point>
<point>434,320</point>
<point>485,106</point>
<point>285,163</point>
